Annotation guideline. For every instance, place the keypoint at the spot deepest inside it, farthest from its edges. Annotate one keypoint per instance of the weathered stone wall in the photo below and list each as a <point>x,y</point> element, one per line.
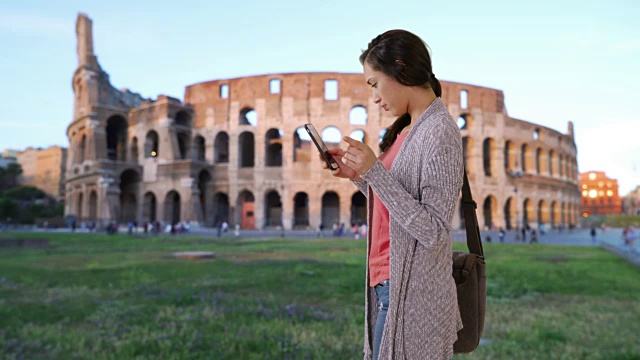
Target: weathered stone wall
<point>233,152</point>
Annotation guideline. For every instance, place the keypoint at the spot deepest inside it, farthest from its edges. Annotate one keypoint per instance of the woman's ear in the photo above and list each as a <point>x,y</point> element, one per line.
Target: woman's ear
<point>400,62</point>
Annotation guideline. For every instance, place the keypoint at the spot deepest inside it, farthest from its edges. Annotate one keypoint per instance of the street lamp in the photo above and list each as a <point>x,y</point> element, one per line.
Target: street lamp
<point>516,174</point>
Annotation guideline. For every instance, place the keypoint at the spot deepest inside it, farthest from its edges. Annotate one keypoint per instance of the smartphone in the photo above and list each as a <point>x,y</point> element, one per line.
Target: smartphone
<point>322,147</point>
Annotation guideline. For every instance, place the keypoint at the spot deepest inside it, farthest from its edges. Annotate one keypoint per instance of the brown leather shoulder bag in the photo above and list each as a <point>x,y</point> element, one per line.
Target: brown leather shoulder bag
<point>470,277</point>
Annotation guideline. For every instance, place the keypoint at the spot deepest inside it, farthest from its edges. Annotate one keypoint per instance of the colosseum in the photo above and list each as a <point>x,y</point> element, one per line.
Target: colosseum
<point>235,151</point>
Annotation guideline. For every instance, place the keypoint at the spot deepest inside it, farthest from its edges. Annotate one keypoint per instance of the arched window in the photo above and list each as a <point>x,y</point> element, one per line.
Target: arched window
<point>134,149</point>
<point>358,115</point>
<point>183,145</point>
<point>359,135</point>
<point>302,147</point>
<point>200,148</point>
<point>331,136</point>
<point>221,148</point>
<point>248,116</point>
<point>301,210</point>
<point>116,138</point>
<point>273,148</point>
<point>487,153</point>
<point>246,153</point>
<point>183,119</point>
<point>82,149</point>
<point>273,209</point>
<point>151,144</point>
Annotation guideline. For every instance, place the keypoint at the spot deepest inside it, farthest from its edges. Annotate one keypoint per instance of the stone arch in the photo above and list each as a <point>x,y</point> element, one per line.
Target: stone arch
<point>93,206</point>
<point>248,116</point>
<point>552,159</point>
<point>246,205</point>
<point>246,150</point>
<point>526,158</point>
<point>151,144</point>
<point>172,207</point>
<point>183,118</point>
<point>332,136</point>
<point>150,207</point>
<point>272,209</point>
<point>130,186</point>
<point>465,121</point>
<point>543,213</point>
<point>301,146</point>
<point>301,210</point>
<point>527,212</point>
<point>510,156</point>
<point>541,161</point>
<point>200,147</point>
<point>134,149</point>
<point>128,205</point>
<point>184,145</point>
<point>358,115</point>
<point>220,208</point>
<point>490,211</point>
<point>573,212</point>
<point>510,220</point>
<point>536,134</point>
<point>381,135</point>
<point>79,204</point>
<point>467,150</point>
<point>488,154</point>
<point>204,184</point>
<point>273,148</point>
<point>555,214</point>
<point>82,150</point>
<point>221,148</point>
<point>358,208</point>
<point>359,135</point>
<point>330,209</point>
<point>117,128</point>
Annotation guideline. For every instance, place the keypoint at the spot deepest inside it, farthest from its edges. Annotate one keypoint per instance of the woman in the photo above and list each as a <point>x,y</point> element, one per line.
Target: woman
<point>411,302</point>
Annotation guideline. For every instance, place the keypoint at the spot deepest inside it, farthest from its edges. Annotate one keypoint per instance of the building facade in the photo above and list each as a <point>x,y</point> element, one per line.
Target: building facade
<point>10,153</point>
<point>5,162</point>
<point>44,169</point>
<point>599,194</point>
<point>631,202</point>
<point>235,150</point>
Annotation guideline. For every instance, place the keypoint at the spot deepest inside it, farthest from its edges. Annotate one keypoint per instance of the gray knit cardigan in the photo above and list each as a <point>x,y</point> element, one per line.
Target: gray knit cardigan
<point>420,191</point>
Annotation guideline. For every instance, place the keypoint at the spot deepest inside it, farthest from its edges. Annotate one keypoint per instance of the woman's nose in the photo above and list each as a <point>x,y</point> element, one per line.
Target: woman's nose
<point>376,98</point>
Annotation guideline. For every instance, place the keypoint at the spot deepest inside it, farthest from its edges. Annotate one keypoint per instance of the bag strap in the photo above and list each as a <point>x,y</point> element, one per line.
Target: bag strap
<point>474,243</point>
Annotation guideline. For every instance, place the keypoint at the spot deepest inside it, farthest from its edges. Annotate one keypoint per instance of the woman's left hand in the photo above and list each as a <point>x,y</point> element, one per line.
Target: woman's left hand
<point>358,156</point>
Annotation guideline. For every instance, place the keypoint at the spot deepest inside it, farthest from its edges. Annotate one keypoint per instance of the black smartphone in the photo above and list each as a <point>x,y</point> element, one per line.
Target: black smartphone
<point>322,147</point>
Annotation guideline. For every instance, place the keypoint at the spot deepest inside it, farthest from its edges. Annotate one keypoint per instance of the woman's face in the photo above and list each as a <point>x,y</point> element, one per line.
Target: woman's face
<point>386,91</point>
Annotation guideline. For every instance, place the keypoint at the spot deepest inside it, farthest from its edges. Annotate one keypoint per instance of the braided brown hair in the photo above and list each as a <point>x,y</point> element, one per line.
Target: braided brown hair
<point>404,57</point>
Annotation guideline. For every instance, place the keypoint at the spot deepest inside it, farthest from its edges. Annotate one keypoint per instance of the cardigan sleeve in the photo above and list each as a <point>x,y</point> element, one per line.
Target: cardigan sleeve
<point>440,182</point>
<point>362,186</point>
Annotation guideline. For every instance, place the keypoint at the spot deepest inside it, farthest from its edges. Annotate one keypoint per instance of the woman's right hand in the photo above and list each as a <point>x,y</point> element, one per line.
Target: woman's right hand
<point>343,171</point>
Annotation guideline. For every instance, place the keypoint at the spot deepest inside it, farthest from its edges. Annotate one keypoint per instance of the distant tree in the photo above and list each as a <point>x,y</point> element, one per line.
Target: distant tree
<point>26,193</point>
<point>8,209</point>
<point>25,204</point>
<point>9,177</point>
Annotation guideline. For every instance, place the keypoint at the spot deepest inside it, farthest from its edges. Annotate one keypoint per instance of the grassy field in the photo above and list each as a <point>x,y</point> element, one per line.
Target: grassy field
<point>120,297</point>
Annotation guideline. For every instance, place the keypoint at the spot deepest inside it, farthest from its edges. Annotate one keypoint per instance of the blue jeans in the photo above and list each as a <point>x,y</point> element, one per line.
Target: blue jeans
<point>382,291</point>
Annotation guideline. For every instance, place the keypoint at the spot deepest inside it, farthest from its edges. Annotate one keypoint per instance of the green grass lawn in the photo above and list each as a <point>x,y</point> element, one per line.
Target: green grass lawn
<point>120,297</point>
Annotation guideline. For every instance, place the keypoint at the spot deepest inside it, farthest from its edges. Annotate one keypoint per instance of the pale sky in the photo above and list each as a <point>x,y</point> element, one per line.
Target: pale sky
<point>556,61</point>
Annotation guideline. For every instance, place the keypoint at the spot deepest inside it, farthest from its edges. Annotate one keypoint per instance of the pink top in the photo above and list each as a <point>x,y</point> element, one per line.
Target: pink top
<point>379,251</point>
